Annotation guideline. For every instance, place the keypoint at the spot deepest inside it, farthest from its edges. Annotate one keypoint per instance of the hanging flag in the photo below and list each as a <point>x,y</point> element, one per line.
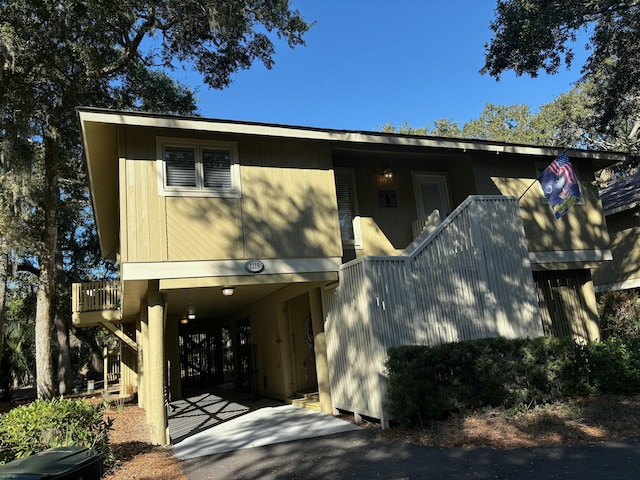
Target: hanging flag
<point>560,185</point>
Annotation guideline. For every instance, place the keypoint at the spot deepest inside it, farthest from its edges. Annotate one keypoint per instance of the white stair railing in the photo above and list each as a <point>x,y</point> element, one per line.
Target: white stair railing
<point>468,278</point>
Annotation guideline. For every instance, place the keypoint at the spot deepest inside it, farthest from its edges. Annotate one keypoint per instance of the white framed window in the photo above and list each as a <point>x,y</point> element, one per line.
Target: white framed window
<point>198,168</point>
<point>431,193</point>
<point>348,216</point>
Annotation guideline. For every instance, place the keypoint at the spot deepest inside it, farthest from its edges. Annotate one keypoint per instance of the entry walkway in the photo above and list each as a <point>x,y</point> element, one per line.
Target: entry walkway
<point>221,421</point>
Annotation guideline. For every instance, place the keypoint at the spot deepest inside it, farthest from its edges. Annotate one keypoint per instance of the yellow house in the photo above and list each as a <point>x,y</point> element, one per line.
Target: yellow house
<point>232,239</point>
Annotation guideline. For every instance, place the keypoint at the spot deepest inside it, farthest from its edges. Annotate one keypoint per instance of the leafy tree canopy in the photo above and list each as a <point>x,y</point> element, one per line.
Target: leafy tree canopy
<point>58,54</point>
<point>502,123</point>
<point>537,35</point>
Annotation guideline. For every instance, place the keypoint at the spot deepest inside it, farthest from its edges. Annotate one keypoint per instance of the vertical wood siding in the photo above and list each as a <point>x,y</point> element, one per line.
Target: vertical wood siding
<point>562,304</point>
<point>287,209</point>
<point>145,233</point>
<point>625,247</point>
<point>584,229</point>
<point>470,278</point>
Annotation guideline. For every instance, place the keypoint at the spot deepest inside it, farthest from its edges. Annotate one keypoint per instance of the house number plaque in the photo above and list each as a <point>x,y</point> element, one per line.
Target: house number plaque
<point>254,266</point>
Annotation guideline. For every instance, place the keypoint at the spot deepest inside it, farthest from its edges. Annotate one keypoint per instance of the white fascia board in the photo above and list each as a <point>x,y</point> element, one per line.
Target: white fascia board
<point>308,133</point>
<point>622,208</point>
<point>225,268</point>
<point>570,256</point>
<point>624,285</point>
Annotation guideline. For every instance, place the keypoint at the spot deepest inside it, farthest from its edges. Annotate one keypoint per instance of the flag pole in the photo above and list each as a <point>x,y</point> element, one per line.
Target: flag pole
<point>523,193</point>
<point>529,187</point>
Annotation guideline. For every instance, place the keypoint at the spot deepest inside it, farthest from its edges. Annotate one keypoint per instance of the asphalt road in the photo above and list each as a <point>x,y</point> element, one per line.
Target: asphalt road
<point>361,455</point>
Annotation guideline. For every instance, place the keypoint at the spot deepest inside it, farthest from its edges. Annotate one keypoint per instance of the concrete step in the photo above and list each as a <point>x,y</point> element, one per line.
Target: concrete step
<point>310,401</point>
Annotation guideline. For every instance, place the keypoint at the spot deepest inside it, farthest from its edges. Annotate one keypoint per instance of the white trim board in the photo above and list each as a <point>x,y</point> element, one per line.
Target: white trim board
<point>225,268</point>
<point>115,117</point>
<point>570,256</point>
<point>624,285</point>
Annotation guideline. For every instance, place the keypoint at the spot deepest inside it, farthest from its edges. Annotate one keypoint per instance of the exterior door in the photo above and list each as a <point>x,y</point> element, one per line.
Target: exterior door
<point>431,194</point>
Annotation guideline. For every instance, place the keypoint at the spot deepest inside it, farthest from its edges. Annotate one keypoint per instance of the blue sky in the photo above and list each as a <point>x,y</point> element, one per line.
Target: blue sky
<point>372,62</point>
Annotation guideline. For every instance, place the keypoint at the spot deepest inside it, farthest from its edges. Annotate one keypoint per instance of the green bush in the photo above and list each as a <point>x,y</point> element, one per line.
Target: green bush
<point>59,422</point>
<point>619,312</point>
<point>426,383</point>
<point>614,365</point>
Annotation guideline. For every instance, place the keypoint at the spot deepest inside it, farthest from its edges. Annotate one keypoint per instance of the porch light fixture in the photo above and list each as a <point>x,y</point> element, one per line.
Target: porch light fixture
<point>228,291</point>
<point>388,174</point>
<point>191,316</point>
<point>184,321</point>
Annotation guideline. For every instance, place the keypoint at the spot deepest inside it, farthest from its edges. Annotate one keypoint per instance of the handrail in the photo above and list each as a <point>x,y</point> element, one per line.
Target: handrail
<point>427,236</point>
<point>468,278</point>
<point>95,296</point>
<point>423,239</point>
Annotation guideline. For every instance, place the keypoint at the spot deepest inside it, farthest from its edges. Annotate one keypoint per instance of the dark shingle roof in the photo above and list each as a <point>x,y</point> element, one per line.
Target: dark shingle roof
<point>621,195</point>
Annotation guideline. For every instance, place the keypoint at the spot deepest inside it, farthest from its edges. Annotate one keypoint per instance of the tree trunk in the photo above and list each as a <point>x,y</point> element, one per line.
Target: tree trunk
<point>88,337</point>
<point>4,267</point>
<point>44,372</point>
<point>61,320</point>
<point>64,354</point>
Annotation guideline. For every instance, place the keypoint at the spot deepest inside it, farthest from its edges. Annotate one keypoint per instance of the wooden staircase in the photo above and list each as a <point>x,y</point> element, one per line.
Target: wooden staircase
<point>310,401</point>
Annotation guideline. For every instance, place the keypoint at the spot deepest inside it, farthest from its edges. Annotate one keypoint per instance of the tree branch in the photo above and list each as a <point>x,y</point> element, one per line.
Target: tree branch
<point>27,267</point>
<point>132,46</point>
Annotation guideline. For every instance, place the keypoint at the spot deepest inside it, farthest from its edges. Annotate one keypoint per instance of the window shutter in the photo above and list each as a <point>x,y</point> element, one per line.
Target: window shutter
<point>345,209</point>
<point>217,168</point>
<point>181,166</point>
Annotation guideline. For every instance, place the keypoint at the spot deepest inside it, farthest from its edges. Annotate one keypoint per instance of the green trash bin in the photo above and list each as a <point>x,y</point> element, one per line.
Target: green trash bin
<point>62,463</point>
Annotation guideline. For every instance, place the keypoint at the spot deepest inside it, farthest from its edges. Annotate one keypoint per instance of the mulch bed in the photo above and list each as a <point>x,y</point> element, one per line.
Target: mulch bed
<point>585,420</point>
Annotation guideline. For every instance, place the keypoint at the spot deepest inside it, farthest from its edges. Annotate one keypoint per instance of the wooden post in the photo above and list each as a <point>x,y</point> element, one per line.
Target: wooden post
<point>285,349</point>
<point>105,370</point>
<point>172,350</point>
<point>592,323</point>
<point>320,351</point>
<point>143,358</point>
<point>156,372</point>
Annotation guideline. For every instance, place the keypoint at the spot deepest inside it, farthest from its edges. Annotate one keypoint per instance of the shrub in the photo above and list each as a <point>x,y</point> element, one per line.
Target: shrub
<point>59,422</point>
<point>614,365</point>
<point>427,382</point>
<point>619,312</point>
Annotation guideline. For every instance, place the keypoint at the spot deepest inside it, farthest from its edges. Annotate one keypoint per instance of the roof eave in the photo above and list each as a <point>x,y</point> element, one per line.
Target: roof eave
<point>599,158</point>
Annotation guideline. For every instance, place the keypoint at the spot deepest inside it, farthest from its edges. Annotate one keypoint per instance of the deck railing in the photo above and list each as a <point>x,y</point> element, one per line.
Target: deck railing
<point>95,296</point>
<point>468,278</point>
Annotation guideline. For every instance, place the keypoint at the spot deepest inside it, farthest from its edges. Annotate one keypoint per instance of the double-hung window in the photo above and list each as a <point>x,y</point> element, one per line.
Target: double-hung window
<point>198,168</point>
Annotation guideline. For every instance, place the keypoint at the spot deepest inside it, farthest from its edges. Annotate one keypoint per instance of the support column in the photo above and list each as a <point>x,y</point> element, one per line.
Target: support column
<point>320,351</point>
<point>156,371</point>
<point>128,361</point>
<point>592,321</point>
<point>285,349</point>
<point>143,358</point>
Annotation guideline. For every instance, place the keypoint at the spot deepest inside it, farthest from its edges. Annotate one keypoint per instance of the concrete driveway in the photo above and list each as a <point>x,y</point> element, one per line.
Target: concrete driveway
<point>361,454</point>
<point>211,423</point>
<point>222,436</point>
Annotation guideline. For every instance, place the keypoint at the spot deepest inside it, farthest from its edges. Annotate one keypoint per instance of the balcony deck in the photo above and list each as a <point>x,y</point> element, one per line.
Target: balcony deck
<point>95,302</point>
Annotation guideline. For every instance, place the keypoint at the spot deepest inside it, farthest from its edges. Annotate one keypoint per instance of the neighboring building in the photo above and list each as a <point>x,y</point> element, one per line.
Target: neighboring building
<point>313,230</point>
<point>621,204</point>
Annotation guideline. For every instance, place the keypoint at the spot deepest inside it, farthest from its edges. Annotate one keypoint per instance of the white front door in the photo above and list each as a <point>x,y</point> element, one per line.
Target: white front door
<point>431,194</point>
